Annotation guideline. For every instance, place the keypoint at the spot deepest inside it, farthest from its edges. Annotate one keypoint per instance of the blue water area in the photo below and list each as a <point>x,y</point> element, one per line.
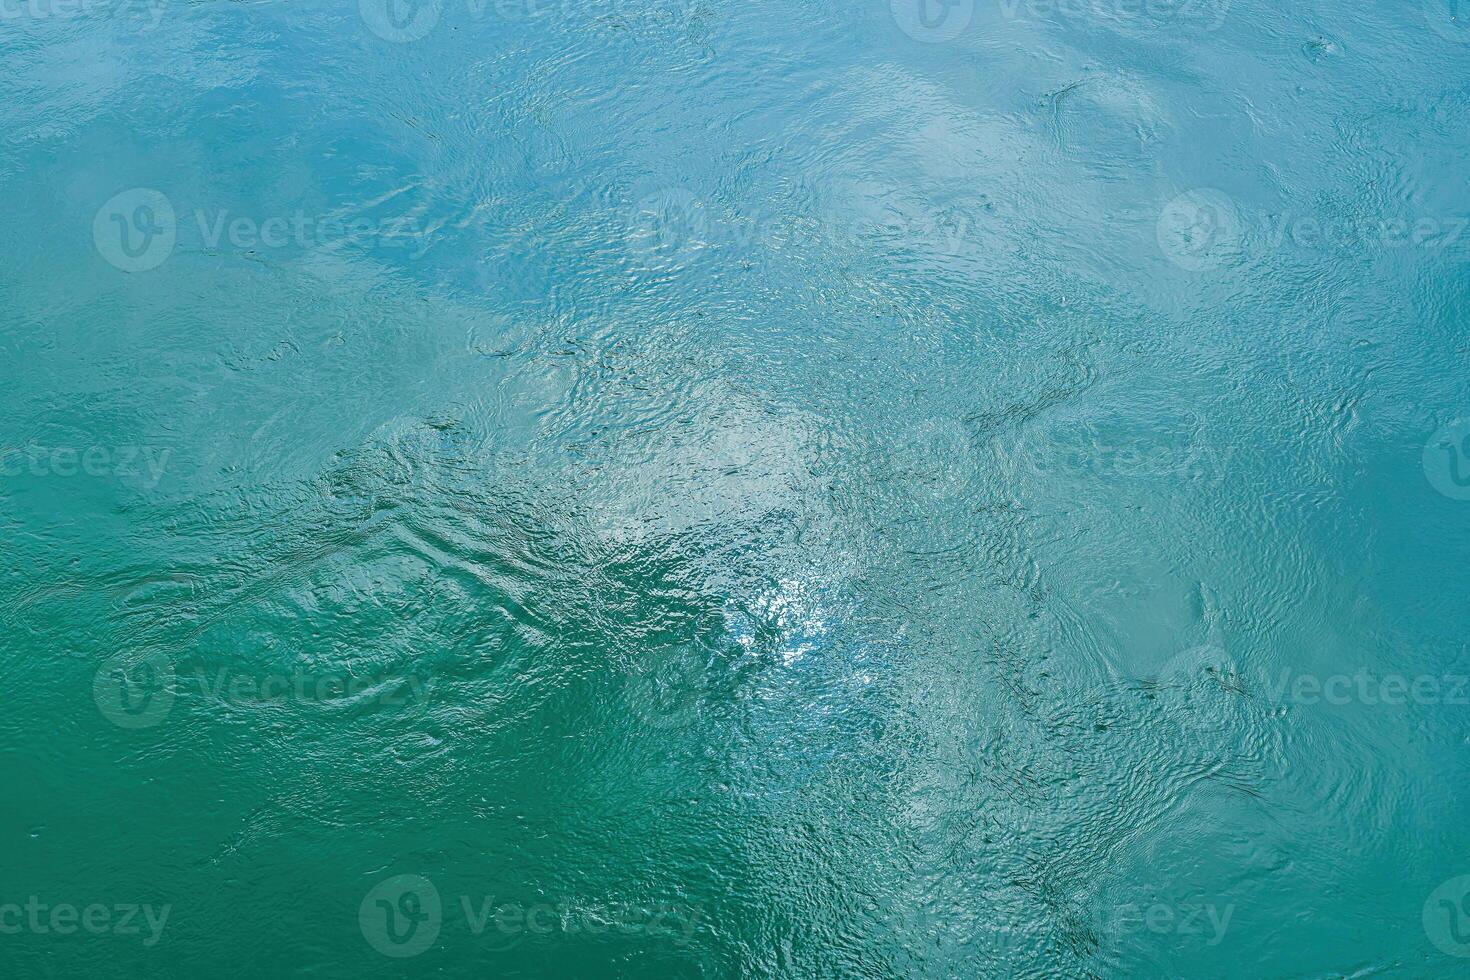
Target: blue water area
<point>929,488</point>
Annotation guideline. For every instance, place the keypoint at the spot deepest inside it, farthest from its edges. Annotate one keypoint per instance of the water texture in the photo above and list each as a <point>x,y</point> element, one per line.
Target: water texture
<point>686,488</point>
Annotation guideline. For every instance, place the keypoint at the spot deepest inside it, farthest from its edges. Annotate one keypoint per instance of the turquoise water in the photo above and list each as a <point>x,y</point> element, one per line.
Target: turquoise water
<point>705,489</point>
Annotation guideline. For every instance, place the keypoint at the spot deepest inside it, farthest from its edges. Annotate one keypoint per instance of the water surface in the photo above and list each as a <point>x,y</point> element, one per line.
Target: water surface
<point>712,489</point>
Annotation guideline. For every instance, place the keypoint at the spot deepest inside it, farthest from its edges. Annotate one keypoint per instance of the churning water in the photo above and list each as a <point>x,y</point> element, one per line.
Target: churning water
<point>642,488</point>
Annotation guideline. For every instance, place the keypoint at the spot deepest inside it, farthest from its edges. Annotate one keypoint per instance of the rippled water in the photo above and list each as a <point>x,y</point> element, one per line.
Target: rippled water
<point>693,488</point>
